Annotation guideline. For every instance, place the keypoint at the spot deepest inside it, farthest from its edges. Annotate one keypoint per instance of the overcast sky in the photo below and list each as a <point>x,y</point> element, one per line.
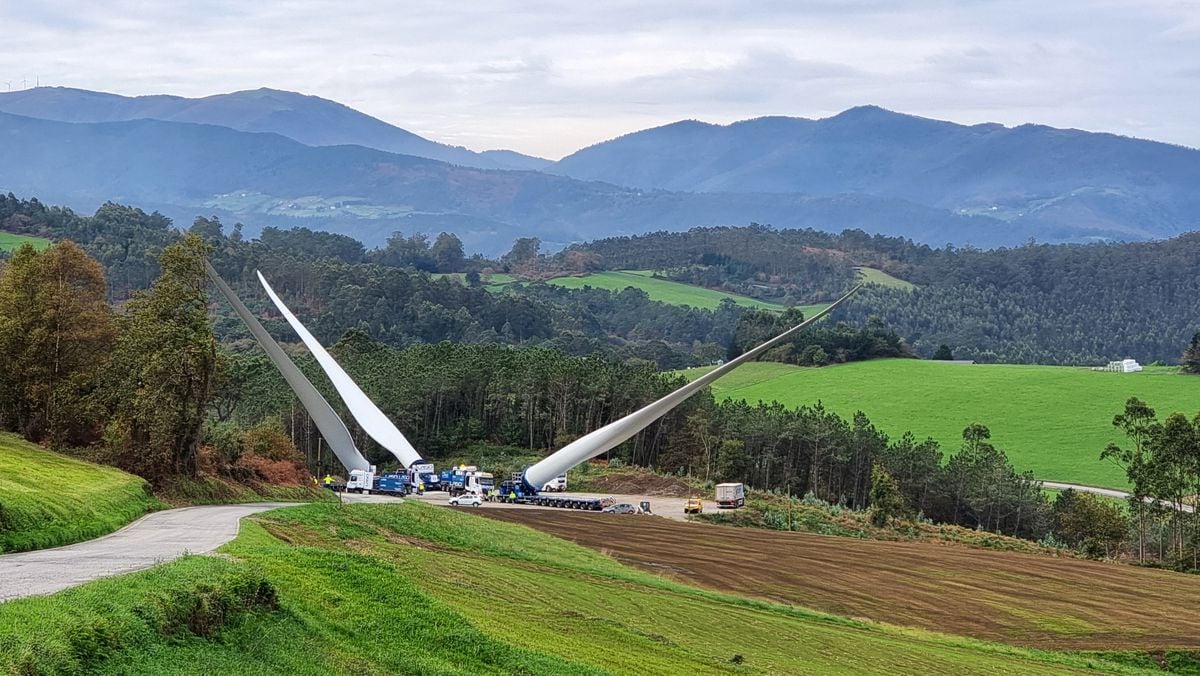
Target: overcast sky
<point>547,77</point>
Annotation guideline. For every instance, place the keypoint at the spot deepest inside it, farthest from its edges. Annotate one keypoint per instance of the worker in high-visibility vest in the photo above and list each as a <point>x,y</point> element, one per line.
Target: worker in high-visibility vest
<point>328,481</point>
<point>421,488</point>
<point>512,496</point>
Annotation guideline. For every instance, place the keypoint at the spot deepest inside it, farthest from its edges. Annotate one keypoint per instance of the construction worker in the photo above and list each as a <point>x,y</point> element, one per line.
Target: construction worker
<point>421,488</point>
<point>512,496</point>
<point>328,481</point>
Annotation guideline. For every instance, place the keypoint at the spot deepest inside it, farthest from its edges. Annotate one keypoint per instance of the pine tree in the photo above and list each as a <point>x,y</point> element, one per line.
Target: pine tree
<point>1190,361</point>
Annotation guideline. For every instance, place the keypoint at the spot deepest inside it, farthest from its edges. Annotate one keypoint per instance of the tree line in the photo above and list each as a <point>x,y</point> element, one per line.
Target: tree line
<point>132,385</point>
<point>1162,463</point>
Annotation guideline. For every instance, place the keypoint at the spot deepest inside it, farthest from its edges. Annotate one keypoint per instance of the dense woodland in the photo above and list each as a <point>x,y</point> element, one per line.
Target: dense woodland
<point>336,285</point>
<point>1039,303</point>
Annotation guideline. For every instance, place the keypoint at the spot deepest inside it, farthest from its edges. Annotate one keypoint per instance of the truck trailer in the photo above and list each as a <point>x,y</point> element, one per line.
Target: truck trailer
<point>731,496</point>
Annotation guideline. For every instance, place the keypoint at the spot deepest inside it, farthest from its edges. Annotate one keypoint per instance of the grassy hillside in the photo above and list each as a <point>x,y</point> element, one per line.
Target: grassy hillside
<point>1049,419</point>
<point>47,499</point>
<point>662,290</point>
<point>418,589</point>
<point>665,290</point>
<point>10,241</point>
<point>873,276</point>
<point>678,293</point>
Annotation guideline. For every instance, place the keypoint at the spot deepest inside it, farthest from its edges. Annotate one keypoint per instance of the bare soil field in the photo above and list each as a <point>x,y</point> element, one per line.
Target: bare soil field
<point>1021,599</point>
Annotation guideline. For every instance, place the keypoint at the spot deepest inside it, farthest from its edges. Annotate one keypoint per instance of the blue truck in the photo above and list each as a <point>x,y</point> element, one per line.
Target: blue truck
<point>391,483</point>
<point>516,491</point>
<point>466,479</point>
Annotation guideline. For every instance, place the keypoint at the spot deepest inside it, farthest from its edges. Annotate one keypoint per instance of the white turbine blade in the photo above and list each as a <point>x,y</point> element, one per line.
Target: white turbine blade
<point>373,421</point>
<point>322,414</point>
<point>611,435</point>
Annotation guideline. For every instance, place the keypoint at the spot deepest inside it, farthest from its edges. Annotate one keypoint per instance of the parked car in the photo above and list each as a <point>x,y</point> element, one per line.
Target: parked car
<point>620,508</point>
<point>467,500</point>
<point>556,485</point>
<point>693,506</point>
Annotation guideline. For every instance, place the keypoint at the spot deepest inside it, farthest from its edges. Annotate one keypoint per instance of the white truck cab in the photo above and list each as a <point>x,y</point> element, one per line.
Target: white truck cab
<point>361,481</point>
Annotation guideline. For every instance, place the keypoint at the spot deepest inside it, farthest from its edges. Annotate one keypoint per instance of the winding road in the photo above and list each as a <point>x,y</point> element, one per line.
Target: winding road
<point>1109,493</point>
<point>153,539</point>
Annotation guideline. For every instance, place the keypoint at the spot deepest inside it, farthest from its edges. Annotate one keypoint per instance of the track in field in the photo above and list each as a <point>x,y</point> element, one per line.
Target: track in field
<point>1021,599</point>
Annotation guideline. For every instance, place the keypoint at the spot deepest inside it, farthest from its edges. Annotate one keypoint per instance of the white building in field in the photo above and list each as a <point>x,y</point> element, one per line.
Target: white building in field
<point>1123,366</point>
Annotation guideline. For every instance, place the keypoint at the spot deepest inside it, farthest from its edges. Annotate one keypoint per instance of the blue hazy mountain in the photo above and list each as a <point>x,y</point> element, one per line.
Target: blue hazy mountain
<point>1030,174</point>
<point>308,119</point>
<point>186,169</point>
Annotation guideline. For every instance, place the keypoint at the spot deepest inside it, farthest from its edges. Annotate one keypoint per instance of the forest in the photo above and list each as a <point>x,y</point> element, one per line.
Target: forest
<point>1049,304</point>
<point>1039,303</point>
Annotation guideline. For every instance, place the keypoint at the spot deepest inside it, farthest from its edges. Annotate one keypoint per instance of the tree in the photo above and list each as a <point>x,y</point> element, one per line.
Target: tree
<point>887,502</point>
<point>943,353</point>
<point>524,250</point>
<point>1090,524</point>
<point>1141,426</point>
<point>1190,361</point>
<point>732,460</point>
<point>162,370</point>
<point>447,252</point>
<point>55,334</point>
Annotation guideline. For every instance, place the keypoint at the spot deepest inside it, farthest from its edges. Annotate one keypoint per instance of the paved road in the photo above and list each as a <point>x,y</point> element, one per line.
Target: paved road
<point>155,538</point>
<point>1108,493</point>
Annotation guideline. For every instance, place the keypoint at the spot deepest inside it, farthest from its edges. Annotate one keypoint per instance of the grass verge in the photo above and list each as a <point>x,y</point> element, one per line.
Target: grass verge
<point>48,499</point>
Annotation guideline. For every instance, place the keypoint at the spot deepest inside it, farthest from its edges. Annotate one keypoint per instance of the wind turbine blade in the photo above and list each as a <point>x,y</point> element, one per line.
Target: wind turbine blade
<point>594,443</point>
<point>373,421</point>
<point>328,423</point>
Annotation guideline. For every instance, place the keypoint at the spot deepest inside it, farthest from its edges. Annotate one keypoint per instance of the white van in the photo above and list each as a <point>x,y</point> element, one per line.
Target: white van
<point>556,485</point>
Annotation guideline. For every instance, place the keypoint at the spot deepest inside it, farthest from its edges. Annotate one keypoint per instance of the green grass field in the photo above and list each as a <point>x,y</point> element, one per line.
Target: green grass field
<point>873,276</point>
<point>10,241</point>
<point>47,499</point>
<point>418,589</point>
<point>1049,419</point>
<point>664,290</point>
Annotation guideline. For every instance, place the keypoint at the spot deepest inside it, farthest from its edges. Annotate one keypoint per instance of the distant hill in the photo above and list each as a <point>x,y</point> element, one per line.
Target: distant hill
<point>308,119</point>
<point>184,170</point>
<point>1098,185</point>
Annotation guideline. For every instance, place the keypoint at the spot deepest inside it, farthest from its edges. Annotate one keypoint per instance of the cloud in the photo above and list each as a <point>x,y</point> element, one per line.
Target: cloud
<point>549,76</point>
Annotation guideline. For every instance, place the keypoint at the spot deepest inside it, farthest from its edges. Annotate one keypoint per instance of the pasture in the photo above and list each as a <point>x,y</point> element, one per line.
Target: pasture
<point>1053,420</point>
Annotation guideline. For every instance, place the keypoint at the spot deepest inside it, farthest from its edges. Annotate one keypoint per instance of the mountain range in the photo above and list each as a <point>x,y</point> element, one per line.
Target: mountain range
<point>1042,176</point>
<point>310,120</point>
<point>267,157</point>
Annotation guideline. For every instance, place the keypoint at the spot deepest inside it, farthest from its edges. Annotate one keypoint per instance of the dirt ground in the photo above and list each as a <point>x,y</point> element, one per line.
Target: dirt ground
<point>660,505</point>
<point>1016,598</point>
